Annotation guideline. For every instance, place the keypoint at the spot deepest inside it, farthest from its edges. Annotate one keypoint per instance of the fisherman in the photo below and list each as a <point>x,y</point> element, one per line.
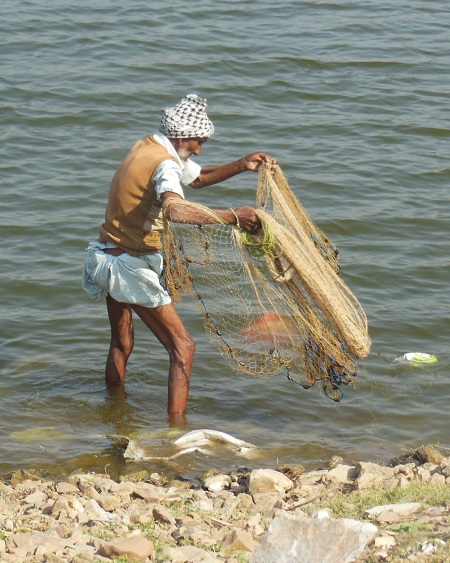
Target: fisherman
<point>125,263</point>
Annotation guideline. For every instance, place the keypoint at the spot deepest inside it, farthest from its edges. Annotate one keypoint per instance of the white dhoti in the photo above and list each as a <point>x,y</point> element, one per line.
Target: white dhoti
<point>126,278</point>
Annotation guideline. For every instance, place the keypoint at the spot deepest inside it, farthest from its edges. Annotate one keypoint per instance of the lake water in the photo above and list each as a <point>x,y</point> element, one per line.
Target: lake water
<point>353,100</point>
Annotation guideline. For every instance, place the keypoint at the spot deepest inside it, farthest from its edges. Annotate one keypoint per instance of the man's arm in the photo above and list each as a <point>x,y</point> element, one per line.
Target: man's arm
<point>246,215</point>
<point>216,174</point>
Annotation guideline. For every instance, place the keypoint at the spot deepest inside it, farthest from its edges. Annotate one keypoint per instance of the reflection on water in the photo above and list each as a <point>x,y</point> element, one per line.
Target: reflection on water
<point>117,413</point>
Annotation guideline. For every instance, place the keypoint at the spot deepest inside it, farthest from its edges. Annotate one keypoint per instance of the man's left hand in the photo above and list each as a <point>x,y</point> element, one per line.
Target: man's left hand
<point>253,161</point>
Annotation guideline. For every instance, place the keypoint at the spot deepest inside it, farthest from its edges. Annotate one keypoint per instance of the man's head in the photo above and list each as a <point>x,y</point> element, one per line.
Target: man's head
<point>187,120</point>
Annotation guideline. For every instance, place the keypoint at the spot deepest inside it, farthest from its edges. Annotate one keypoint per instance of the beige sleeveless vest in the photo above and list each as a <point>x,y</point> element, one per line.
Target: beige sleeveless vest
<point>133,217</point>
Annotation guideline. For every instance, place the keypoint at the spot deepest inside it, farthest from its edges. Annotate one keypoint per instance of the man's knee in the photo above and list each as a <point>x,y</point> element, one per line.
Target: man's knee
<point>185,348</point>
<point>192,345</point>
<point>189,344</point>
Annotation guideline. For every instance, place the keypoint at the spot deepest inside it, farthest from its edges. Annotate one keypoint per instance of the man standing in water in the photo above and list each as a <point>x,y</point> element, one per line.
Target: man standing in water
<point>125,263</point>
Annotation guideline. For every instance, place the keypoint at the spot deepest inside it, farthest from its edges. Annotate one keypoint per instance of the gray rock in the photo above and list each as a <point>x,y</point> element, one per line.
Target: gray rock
<point>268,481</point>
<point>65,488</point>
<point>230,505</point>
<point>393,482</point>
<point>371,474</point>
<point>110,502</point>
<point>139,517</point>
<point>76,504</point>
<point>188,554</point>
<point>432,467</point>
<point>384,541</point>
<point>190,519</point>
<point>206,505</point>
<point>267,501</point>
<point>343,473</point>
<point>312,477</point>
<point>161,514</point>
<point>446,471</point>
<point>406,469</point>
<point>239,540</point>
<point>54,558</point>
<point>147,492</point>
<point>37,499</point>
<point>307,540</point>
<point>30,541</point>
<point>137,547</point>
<point>245,502</point>
<point>96,512</point>
<point>60,506</point>
<point>192,535</point>
<point>6,489</point>
<point>293,471</point>
<point>437,479</point>
<point>402,509</point>
<point>217,483</point>
<point>89,491</point>
<point>403,481</point>
<point>40,552</point>
<point>423,474</point>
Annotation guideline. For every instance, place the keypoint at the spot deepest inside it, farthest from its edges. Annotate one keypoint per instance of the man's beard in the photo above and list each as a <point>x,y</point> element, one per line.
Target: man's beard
<point>183,154</point>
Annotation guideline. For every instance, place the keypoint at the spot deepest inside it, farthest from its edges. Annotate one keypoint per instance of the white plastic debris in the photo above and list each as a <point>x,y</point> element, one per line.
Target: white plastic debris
<point>419,358</point>
<point>430,547</point>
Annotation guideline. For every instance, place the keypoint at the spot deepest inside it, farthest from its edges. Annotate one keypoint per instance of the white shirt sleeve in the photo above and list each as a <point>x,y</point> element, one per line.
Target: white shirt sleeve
<point>190,173</point>
<point>170,178</point>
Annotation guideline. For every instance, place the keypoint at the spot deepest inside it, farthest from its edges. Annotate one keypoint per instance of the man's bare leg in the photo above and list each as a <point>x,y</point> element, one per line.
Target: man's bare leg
<point>167,326</point>
<point>122,341</point>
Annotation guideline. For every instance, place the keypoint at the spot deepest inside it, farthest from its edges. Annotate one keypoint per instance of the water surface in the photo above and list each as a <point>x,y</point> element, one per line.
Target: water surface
<point>353,101</point>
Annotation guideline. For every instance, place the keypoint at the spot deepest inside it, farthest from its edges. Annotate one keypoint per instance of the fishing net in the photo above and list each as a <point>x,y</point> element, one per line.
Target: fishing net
<point>273,300</point>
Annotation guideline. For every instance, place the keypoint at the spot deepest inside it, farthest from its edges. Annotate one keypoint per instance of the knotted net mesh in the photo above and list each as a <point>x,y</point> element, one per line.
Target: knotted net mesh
<point>271,301</point>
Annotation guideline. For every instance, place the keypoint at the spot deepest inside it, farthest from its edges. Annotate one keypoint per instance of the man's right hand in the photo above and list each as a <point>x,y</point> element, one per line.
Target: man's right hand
<point>248,219</point>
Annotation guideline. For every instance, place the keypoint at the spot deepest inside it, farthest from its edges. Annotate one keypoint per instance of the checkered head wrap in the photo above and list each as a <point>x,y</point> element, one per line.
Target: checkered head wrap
<point>187,120</point>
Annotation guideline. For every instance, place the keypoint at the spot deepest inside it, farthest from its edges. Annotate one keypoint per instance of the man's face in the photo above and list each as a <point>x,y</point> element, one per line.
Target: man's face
<point>187,147</point>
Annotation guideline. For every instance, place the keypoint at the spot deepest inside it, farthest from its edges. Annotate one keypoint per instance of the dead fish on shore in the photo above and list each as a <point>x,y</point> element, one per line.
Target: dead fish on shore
<point>198,438</point>
<point>203,441</point>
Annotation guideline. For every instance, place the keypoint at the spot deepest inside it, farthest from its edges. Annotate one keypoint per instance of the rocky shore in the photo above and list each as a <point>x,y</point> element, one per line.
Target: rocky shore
<point>362,512</point>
